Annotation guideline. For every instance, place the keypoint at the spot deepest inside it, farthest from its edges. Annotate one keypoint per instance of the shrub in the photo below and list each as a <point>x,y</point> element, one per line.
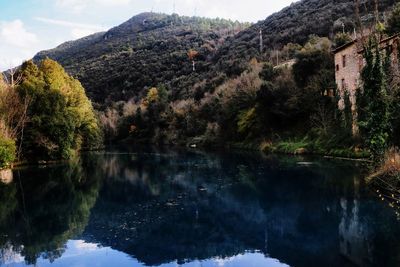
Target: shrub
<point>7,152</point>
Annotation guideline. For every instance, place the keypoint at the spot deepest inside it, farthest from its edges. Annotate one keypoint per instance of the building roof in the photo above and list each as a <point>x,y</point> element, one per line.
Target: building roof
<point>389,38</point>
<point>340,48</point>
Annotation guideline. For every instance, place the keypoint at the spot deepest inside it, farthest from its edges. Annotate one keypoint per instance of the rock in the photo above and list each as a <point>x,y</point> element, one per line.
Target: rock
<point>300,151</point>
<point>6,176</point>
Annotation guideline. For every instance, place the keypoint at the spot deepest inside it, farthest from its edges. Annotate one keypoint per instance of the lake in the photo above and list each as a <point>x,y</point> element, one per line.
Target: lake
<point>193,208</point>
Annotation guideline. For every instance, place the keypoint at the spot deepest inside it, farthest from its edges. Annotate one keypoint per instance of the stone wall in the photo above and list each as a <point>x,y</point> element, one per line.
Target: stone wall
<point>348,78</point>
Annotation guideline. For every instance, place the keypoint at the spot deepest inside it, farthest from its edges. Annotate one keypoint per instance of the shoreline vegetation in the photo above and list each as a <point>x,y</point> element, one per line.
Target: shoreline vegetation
<point>44,114</point>
<point>261,104</point>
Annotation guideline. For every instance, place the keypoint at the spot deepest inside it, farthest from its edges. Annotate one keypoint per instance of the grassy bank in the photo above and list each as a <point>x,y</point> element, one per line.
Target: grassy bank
<point>304,146</point>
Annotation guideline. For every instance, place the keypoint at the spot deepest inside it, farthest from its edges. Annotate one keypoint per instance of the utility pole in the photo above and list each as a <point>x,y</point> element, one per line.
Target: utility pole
<point>261,42</point>
<point>277,57</point>
<point>343,27</point>
<point>358,18</point>
<point>376,12</point>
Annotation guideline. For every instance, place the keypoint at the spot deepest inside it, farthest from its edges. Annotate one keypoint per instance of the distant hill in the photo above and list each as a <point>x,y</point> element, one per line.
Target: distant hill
<point>147,50</point>
<point>151,49</point>
<point>295,23</point>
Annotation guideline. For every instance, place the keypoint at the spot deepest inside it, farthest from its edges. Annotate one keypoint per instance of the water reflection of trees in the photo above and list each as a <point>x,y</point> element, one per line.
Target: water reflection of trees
<point>161,207</point>
<point>44,207</point>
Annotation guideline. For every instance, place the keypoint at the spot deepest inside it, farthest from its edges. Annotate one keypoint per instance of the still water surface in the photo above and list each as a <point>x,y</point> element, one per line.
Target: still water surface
<point>191,208</point>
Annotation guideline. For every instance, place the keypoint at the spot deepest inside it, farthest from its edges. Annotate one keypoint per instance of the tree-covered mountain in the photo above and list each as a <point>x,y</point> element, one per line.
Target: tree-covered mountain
<point>178,80</point>
<point>146,51</point>
<point>294,24</point>
<point>151,49</point>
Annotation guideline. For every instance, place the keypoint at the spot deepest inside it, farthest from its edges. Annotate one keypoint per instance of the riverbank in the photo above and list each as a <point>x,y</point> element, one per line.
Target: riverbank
<point>304,147</point>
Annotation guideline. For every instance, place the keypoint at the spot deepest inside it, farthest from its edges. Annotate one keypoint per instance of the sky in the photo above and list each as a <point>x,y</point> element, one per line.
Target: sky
<point>30,26</point>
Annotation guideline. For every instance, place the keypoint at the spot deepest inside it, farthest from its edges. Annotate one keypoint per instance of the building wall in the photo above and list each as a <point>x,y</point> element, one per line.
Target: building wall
<point>348,78</point>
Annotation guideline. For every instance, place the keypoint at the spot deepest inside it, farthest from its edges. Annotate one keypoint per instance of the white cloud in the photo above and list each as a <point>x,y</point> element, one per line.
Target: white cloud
<point>77,6</point>
<point>77,30</point>
<point>17,43</point>
<point>14,33</point>
<point>251,10</point>
<point>69,24</point>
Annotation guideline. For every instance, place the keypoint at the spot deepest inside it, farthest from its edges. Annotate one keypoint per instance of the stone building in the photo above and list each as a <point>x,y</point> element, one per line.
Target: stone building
<point>349,63</point>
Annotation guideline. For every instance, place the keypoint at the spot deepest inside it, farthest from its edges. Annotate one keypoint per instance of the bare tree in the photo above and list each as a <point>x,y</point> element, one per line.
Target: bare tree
<point>12,77</point>
<point>13,108</point>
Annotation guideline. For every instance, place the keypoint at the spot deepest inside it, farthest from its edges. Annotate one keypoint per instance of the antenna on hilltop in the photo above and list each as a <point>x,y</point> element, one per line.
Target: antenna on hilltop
<point>174,8</point>
<point>261,42</point>
<point>195,11</point>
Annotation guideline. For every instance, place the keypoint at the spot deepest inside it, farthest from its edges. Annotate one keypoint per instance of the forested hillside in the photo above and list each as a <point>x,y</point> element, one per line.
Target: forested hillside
<point>179,80</point>
<point>152,49</point>
<point>148,50</point>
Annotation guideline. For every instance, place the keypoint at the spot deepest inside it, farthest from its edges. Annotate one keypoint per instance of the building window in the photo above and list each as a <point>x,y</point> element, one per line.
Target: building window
<point>337,67</point>
<point>343,84</point>
<point>344,61</point>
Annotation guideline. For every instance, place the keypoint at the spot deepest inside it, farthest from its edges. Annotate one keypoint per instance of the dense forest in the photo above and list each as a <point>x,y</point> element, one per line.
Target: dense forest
<point>148,50</point>
<point>171,80</point>
<point>151,49</point>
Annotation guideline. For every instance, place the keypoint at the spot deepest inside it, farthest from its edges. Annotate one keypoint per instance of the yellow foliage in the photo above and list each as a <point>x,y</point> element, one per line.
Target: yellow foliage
<point>152,96</point>
<point>246,120</point>
<point>253,61</point>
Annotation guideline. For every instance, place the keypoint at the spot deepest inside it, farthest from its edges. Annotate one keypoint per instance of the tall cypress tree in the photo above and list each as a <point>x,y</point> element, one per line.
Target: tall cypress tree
<point>374,105</point>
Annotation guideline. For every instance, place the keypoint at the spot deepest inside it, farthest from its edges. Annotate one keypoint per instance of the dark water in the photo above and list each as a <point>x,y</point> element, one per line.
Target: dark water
<point>170,208</point>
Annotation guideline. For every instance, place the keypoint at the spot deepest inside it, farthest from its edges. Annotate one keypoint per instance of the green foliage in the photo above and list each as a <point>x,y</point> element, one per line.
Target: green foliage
<point>374,105</point>
<point>292,147</point>
<point>315,58</point>
<point>393,24</point>
<point>341,39</point>
<point>247,121</point>
<point>62,118</point>
<point>268,73</point>
<point>7,152</point>
<point>290,50</point>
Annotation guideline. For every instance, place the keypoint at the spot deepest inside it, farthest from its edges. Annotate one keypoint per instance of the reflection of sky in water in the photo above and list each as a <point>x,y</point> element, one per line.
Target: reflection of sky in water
<point>81,254</point>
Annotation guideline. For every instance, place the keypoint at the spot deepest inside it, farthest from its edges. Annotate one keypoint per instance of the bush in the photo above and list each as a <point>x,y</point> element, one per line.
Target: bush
<point>7,152</point>
<point>62,119</point>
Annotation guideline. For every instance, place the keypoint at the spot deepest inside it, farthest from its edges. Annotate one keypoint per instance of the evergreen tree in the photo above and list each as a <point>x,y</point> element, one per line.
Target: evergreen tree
<point>373,108</point>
